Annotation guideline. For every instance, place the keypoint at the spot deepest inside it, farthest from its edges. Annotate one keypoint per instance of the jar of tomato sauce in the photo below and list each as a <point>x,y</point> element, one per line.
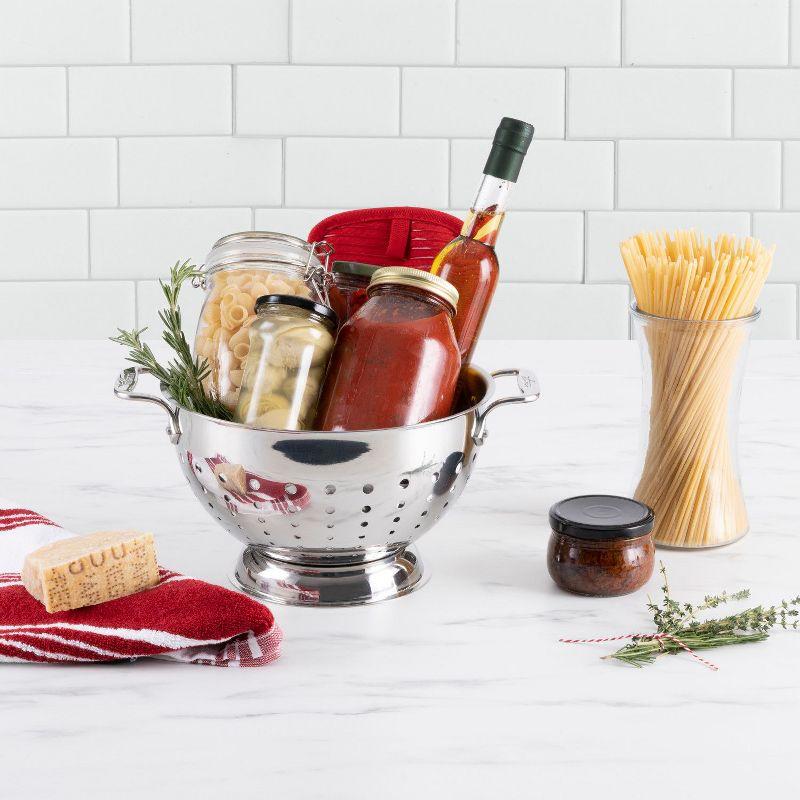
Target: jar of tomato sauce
<point>348,292</point>
<point>396,361</point>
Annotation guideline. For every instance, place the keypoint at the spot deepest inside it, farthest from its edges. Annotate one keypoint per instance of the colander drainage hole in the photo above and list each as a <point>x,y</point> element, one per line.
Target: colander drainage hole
<point>330,538</point>
<point>391,533</point>
<point>400,505</point>
<point>364,525</point>
<point>424,514</point>
<point>404,483</point>
<point>416,526</point>
<point>262,520</point>
<point>227,497</point>
<point>211,505</point>
<point>434,477</point>
<point>291,489</point>
<point>330,489</point>
<point>295,524</point>
<point>330,510</point>
<point>297,536</point>
<point>447,503</point>
<point>367,488</point>
<point>396,519</point>
<point>362,537</point>
<point>367,509</point>
<point>219,518</point>
<point>329,525</point>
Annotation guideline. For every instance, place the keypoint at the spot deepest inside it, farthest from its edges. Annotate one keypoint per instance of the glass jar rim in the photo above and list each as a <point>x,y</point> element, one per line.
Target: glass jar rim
<point>636,312</point>
<point>262,247</point>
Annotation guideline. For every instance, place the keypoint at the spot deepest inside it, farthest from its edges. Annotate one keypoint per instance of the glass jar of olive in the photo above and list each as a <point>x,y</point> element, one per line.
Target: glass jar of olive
<point>291,341</point>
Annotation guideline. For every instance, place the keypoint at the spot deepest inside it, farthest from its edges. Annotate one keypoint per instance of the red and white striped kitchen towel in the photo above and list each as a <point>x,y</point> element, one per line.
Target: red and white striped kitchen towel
<point>181,619</point>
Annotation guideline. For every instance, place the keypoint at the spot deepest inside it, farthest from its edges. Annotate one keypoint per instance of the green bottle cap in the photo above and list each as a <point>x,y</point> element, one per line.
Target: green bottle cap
<point>511,141</point>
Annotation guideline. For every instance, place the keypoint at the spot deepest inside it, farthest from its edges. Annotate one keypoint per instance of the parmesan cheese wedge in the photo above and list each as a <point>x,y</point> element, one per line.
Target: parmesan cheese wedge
<point>86,570</point>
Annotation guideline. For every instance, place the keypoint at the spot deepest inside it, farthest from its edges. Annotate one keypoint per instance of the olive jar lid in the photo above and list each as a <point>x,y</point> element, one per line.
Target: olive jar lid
<point>354,268</point>
<point>601,517</point>
<point>267,300</point>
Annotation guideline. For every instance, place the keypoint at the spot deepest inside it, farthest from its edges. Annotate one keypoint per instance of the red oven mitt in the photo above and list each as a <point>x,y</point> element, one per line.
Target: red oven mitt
<point>397,236</point>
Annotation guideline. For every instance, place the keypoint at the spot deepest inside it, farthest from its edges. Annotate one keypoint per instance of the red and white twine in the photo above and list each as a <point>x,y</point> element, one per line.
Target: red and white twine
<point>656,637</point>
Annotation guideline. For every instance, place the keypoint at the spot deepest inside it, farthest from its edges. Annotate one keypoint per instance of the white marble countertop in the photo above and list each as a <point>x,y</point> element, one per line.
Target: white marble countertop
<point>458,690</point>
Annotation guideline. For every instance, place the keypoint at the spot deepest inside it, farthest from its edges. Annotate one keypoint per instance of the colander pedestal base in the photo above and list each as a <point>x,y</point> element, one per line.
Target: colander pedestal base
<point>327,584</point>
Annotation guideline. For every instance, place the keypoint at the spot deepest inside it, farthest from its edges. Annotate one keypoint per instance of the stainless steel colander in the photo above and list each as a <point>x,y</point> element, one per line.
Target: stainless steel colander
<point>329,518</point>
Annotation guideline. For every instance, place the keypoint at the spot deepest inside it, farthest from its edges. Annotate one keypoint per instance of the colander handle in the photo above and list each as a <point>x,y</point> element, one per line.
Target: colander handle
<point>528,386</point>
<point>124,388</point>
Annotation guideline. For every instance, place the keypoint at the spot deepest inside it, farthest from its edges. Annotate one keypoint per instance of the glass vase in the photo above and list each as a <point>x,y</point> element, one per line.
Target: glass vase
<point>692,381</point>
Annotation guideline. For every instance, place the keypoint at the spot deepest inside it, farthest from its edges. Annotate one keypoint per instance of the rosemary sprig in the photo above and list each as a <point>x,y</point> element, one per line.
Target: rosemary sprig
<point>680,620</point>
<point>183,376</point>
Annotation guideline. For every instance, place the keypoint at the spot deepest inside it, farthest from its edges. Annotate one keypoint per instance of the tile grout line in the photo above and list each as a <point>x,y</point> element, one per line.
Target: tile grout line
<point>130,31</point>
<point>622,54</point>
<point>733,104</point>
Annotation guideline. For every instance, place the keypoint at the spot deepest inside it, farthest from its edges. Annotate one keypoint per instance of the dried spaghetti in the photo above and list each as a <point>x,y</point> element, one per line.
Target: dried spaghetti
<point>697,298</point>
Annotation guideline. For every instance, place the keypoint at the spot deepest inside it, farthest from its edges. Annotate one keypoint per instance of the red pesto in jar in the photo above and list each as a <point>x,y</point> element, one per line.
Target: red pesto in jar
<point>600,545</point>
<point>396,361</point>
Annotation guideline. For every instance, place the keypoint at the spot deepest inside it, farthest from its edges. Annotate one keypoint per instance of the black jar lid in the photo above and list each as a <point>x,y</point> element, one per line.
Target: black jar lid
<point>320,309</point>
<point>354,268</point>
<point>601,517</point>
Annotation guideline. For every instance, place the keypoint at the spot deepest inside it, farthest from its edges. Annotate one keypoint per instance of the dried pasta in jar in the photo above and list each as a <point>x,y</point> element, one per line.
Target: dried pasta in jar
<point>239,269</point>
<point>290,344</point>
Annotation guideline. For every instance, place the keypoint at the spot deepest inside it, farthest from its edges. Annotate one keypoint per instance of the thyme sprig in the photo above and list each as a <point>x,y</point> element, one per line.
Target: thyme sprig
<point>681,621</point>
<point>183,376</point>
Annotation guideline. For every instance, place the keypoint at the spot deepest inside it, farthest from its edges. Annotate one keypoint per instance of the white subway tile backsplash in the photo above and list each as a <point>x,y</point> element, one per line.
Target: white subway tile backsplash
<point>699,175</point>
<point>59,32</point>
<point>781,229</point>
<point>368,32</point>
<point>57,173</point>
<point>556,175</point>
<point>269,100</point>
<point>442,101</point>
<point>558,311</point>
<point>541,246</point>
<point>366,172</point>
<point>706,32</point>
<point>606,229</point>
<point>33,101</point>
<point>778,303</point>
<point>65,309</point>
<point>791,175</point>
<point>539,32</point>
<point>146,242</point>
<point>212,171</point>
<point>294,221</point>
<point>124,101</point>
<point>649,103</point>
<point>150,300</point>
<point>43,245</point>
<point>133,133</point>
<point>767,103</point>
<point>210,31</point>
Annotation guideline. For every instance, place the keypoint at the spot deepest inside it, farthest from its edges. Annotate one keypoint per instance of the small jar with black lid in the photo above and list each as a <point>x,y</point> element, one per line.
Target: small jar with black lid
<point>348,292</point>
<point>290,343</point>
<point>601,545</point>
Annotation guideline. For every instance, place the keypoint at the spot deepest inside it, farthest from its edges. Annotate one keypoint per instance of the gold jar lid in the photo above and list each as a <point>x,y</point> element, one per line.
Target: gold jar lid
<point>409,276</point>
